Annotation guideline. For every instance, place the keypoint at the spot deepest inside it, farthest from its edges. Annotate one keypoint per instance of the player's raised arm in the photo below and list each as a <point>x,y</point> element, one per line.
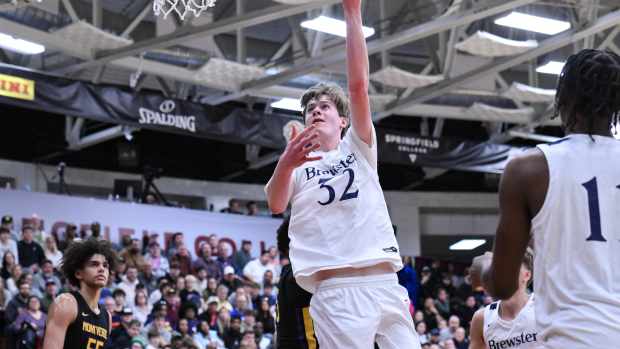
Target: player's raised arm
<point>279,188</point>
<point>63,311</point>
<point>357,71</point>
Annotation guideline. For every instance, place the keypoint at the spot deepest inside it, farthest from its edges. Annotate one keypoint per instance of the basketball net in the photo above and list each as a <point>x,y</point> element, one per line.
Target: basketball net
<point>181,7</point>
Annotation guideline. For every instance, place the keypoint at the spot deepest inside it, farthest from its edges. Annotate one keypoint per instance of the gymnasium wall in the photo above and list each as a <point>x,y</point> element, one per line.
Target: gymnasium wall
<point>414,213</point>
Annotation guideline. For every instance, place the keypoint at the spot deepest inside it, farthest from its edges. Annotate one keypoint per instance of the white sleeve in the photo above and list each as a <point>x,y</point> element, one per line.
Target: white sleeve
<point>369,152</point>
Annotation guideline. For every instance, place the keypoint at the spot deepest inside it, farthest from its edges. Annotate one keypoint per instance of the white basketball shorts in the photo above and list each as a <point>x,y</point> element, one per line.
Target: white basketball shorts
<point>354,312</point>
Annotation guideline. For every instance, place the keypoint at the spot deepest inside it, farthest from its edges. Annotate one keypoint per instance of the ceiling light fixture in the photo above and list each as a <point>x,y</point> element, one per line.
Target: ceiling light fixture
<point>553,68</point>
<point>467,244</point>
<point>533,23</point>
<point>20,46</point>
<point>288,104</point>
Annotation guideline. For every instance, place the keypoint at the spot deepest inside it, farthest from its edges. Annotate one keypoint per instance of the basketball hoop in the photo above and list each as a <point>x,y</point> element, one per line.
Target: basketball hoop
<point>181,7</point>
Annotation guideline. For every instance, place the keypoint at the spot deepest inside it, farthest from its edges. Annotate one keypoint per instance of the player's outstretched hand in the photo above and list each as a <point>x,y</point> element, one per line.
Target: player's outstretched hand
<point>298,149</point>
<point>477,266</point>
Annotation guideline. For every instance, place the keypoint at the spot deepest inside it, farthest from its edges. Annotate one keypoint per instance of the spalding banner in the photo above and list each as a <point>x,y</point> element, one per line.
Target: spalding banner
<point>120,218</point>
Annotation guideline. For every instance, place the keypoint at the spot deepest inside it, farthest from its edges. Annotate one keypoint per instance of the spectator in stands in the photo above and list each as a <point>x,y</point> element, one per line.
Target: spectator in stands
<point>252,208</point>
<point>95,231</point>
<point>184,259</point>
<point>428,283</point>
<point>420,328</point>
<point>206,261</point>
<point>214,242</point>
<point>52,252</point>
<point>248,340</point>
<point>459,339</point>
<point>161,327</point>
<point>141,308</point>
<point>190,293</point>
<point>147,278</point>
<point>120,298</point>
<point>18,302</point>
<point>8,261</point>
<point>210,313</point>
<point>120,337</point>
<point>465,290</point>
<point>51,291</point>
<point>274,263</point>
<point>133,254</point>
<point>155,341</point>
<point>183,329</point>
<point>6,242</point>
<point>233,207</point>
<point>29,327</point>
<point>12,282</point>
<point>222,299</point>
<point>232,334</point>
<point>70,235</point>
<point>45,274</point>
<point>430,313</point>
<point>256,268</point>
<point>7,223</point>
<point>467,311</point>
<point>175,242</point>
<point>442,303</point>
<point>211,288</point>
<point>224,256</point>
<point>265,317</point>
<point>159,264</point>
<point>223,322</point>
<point>129,283</point>
<point>243,255</point>
<point>408,278</point>
<point>230,279</point>
<point>204,339</point>
<point>30,253</point>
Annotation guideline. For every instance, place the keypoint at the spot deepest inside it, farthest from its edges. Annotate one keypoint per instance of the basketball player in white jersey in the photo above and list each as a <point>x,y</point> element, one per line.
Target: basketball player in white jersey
<point>510,323</point>
<point>342,246</point>
<point>566,195</point>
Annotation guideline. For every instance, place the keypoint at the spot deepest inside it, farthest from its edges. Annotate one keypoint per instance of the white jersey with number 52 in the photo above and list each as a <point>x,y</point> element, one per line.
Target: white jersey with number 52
<point>338,213</point>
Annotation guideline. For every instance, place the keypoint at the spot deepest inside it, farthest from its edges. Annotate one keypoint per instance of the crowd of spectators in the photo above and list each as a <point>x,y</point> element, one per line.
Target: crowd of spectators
<point>165,297</point>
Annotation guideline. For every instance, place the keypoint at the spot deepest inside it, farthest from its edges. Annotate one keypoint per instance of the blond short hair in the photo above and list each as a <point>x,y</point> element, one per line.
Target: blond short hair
<point>335,93</point>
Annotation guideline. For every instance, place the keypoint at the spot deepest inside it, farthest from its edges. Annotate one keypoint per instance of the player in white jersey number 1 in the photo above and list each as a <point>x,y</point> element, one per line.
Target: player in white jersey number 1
<point>343,247</point>
<point>505,324</point>
<point>565,196</point>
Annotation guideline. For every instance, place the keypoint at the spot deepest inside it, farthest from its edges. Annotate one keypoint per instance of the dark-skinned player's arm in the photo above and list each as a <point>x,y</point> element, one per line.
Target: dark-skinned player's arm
<point>279,189</point>
<point>62,312</point>
<point>476,334</point>
<point>357,71</point>
<point>501,278</point>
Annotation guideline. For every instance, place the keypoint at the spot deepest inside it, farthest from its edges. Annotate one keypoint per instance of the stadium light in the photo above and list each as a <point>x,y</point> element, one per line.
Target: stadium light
<point>20,46</point>
<point>553,68</point>
<point>333,26</point>
<point>467,244</point>
<point>533,23</point>
<point>288,104</point>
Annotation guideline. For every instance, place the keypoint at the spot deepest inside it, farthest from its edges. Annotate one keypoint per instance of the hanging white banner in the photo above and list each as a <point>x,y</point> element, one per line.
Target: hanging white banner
<point>120,218</point>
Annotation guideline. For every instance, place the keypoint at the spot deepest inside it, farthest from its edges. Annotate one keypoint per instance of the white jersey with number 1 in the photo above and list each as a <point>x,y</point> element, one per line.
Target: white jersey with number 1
<point>577,244</point>
<point>338,213</point>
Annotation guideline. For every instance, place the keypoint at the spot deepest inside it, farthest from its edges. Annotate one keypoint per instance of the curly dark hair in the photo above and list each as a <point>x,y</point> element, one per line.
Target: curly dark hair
<point>79,252</point>
<point>283,239</point>
<point>589,86</point>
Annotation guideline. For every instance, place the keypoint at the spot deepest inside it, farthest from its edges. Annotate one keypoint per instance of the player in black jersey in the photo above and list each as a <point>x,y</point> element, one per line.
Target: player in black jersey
<point>294,326</point>
<point>75,320</point>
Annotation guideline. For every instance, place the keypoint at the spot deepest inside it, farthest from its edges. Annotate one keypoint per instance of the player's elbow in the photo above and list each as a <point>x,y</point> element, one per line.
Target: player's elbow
<point>277,208</point>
